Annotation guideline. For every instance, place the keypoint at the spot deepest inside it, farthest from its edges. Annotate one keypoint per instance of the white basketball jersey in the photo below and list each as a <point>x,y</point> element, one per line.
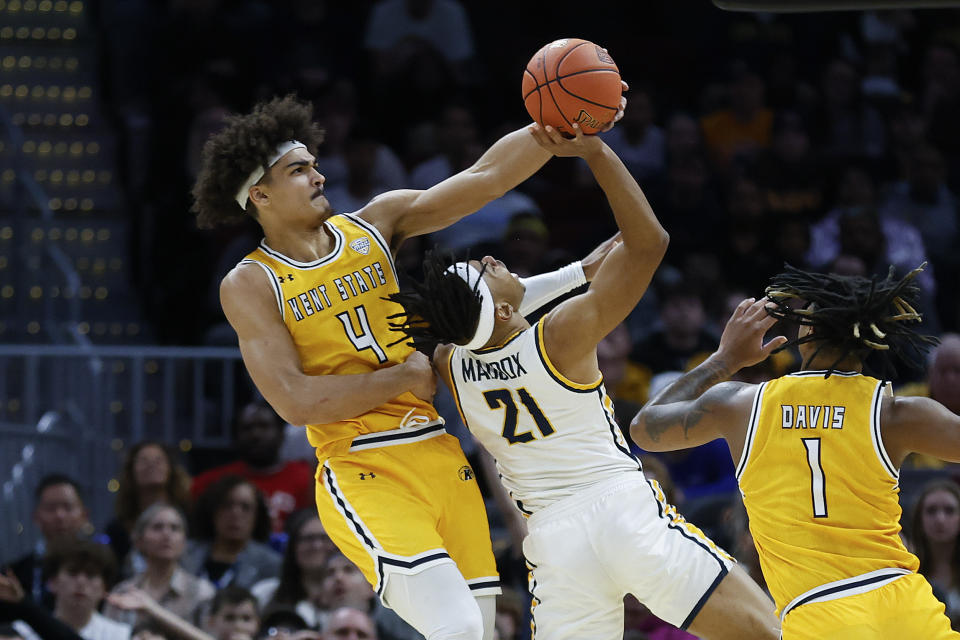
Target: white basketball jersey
<point>550,437</point>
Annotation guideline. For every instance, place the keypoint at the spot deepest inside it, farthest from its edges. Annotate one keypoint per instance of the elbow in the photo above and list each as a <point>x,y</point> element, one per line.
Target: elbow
<point>639,435</point>
<point>660,241</point>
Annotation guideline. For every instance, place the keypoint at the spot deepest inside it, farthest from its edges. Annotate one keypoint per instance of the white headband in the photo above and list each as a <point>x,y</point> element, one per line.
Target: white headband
<point>282,149</point>
<point>485,325</point>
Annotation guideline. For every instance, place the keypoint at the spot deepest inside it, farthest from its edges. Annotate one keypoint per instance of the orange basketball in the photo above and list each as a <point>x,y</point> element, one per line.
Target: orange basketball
<point>572,80</point>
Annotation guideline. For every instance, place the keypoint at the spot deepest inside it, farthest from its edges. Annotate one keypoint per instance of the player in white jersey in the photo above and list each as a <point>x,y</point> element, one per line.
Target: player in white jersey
<point>534,397</point>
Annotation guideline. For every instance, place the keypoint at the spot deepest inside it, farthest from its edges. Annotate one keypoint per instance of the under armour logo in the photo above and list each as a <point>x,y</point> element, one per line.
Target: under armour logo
<point>364,476</point>
<point>465,473</point>
<point>361,245</point>
<point>289,277</point>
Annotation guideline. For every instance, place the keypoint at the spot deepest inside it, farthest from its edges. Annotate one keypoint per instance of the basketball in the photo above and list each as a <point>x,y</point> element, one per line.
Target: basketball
<point>572,80</point>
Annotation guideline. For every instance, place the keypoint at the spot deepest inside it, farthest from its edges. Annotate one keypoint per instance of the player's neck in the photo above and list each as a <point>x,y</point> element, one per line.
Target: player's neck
<point>503,330</point>
<point>826,360</point>
<point>302,244</point>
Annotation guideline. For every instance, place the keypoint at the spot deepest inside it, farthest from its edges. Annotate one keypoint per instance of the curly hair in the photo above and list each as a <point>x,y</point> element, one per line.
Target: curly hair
<point>440,310</point>
<point>245,143</point>
<point>853,315</point>
<point>127,506</point>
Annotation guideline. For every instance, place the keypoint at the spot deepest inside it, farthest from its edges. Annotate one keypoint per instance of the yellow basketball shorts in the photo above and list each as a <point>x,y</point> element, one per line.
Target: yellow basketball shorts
<point>402,501</point>
<point>904,608</point>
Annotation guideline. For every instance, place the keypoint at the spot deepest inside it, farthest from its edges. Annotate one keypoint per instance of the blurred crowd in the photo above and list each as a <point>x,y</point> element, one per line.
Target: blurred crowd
<point>826,141</point>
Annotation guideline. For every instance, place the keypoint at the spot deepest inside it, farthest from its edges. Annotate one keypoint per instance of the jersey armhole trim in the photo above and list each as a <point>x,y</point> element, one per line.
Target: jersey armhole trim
<point>373,231</point>
<point>877,436</point>
<point>453,389</point>
<point>554,372</point>
<point>272,277</point>
<point>752,427</point>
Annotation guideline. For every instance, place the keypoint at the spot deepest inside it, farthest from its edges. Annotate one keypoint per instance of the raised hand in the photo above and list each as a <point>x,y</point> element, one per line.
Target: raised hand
<point>10,588</point>
<point>741,344</point>
<point>579,145</point>
<point>621,109</point>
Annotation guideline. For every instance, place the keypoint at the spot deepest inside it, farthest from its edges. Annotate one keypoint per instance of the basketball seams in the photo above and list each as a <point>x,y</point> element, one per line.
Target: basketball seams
<point>579,97</point>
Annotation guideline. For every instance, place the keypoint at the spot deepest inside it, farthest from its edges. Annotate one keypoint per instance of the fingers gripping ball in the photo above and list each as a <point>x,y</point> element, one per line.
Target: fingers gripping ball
<point>572,80</point>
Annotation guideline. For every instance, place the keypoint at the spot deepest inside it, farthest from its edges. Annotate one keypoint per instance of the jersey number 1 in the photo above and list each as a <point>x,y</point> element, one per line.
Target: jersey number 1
<point>818,485</point>
<point>363,339</point>
<point>503,397</point>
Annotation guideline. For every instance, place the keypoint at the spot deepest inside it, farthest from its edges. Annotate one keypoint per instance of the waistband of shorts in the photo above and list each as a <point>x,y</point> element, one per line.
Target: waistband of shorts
<point>403,435</point>
<point>587,495</point>
<point>847,587</point>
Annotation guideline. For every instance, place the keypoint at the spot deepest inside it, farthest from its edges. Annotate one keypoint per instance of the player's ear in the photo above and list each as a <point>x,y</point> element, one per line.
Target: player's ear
<point>258,195</point>
<point>504,311</point>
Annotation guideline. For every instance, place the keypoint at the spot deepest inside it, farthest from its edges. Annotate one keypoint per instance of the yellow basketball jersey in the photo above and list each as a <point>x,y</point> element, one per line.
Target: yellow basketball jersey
<point>820,491</point>
<point>335,311</point>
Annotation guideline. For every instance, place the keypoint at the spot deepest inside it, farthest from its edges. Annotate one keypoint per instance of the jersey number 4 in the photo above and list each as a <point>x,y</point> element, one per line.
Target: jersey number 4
<point>364,338</point>
<point>504,398</point>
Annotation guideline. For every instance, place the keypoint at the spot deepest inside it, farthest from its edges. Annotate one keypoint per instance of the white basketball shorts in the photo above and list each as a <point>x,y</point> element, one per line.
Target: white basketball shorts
<point>619,536</point>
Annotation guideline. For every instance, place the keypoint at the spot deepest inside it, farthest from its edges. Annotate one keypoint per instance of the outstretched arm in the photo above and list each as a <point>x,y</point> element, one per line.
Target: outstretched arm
<point>134,599</point>
<point>509,162</point>
<point>700,406</point>
<point>573,330</point>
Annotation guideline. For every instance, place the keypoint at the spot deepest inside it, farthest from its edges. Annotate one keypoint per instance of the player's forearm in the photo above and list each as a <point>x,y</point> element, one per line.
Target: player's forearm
<point>330,398</point>
<point>511,160</point>
<point>694,383</point>
<point>175,624</point>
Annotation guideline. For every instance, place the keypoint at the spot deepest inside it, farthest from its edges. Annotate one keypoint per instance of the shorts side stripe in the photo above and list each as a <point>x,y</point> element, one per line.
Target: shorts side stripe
<point>677,523</point>
<point>347,511</point>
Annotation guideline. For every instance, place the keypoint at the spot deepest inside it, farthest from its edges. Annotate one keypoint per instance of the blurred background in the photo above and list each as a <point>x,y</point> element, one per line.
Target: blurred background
<point>827,141</point>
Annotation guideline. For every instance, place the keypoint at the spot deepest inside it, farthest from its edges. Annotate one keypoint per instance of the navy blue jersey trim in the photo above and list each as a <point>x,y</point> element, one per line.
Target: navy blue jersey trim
<point>397,436</point>
<point>601,393</point>
<point>546,366</point>
<point>845,587</point>
<point>497,347</point>
<point>484,585</point>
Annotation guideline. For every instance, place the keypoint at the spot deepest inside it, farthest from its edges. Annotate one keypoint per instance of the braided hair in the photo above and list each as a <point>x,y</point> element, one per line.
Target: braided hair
<point>853,316</point>
<point>440,310</point>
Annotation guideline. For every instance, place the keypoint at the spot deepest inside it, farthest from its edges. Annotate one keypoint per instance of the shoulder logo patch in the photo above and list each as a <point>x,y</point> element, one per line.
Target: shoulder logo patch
<point>361,245</point>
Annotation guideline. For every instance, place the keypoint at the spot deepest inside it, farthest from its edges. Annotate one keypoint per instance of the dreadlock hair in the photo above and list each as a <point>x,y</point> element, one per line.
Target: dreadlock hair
<point>853,315</point>
<point>442,309</point>
<point>245,143</point>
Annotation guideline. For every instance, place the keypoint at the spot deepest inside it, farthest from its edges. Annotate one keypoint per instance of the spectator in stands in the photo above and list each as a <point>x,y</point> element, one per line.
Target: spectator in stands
<point>925,201</point>
<point>150,475</point>
<point>79,573</point>
<point>525,244</point>
<point>681,341</point>
<point>365,159</point>
<point>233,614</point>
<point>418,49</point>
<point>789,173</point>
<point>636,139</point>
<point>22,618</point>
<point>745,126</point>
<point>60,515</point>
<point>300,583</point>
<point>845,125</point>
<point>747,264</point>
<point>348,623</point>
<point>934,532</point>
<point>160,535</point>
<point>285,624</point>
<point>287,485</point>
<point>231,526</point>
<point>344,586</point>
